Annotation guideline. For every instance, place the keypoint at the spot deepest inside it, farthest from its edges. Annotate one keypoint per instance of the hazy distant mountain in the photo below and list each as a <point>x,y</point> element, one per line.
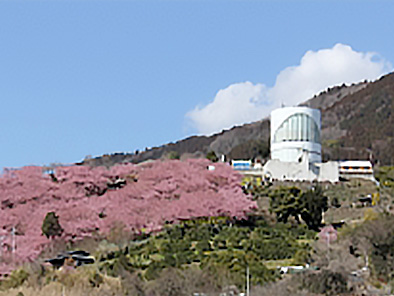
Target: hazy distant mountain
<point>357,122</point>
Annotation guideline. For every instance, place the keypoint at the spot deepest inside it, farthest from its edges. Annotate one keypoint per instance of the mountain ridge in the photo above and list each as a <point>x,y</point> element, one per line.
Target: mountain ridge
<point>356,122</point>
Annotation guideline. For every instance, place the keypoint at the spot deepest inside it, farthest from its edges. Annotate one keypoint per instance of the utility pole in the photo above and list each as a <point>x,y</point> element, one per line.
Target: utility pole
<point>13,240</point>
<point>247,281</point>
<point>2,237</point>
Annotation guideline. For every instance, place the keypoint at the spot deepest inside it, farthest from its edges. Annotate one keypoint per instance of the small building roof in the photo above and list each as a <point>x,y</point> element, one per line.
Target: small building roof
<point>356,163</point>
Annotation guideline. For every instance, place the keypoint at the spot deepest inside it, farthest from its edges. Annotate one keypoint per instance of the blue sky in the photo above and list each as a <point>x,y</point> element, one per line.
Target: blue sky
<point>84,78</point>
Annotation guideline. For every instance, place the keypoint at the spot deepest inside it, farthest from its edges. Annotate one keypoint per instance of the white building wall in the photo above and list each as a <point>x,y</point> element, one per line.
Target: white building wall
<point>303,171</point>
<point>328,171</point>
<point>276,169</point>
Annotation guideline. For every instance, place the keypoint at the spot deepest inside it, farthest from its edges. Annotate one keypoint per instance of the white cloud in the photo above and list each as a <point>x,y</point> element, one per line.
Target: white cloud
<point>247,102</point>
<point>238,103</point>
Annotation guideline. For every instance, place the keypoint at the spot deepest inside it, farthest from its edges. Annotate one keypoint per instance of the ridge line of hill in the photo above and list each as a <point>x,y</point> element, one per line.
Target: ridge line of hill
<point>356,123</point>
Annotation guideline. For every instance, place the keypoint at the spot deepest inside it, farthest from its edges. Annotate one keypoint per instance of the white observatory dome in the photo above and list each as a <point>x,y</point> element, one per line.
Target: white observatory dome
<point>295,132</point>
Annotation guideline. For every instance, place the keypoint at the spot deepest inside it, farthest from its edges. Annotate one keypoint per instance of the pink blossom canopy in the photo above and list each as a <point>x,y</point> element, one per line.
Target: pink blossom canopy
<point>154,193</point>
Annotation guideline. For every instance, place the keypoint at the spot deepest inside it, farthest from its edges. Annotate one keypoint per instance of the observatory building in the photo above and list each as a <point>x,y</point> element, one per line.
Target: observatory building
<point>296,150</point>
<point>295,130</point>
<point>296,147</point>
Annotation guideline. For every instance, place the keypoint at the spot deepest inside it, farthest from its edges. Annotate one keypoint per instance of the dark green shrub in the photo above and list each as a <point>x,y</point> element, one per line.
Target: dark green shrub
<point>51,226</point>
<point>288,202</point>
<point>172,155</point>
<point>211,155</point>
<point>169,260</point>
<point>16,279</point>
<point>203,246</point>
<point>153,271</point>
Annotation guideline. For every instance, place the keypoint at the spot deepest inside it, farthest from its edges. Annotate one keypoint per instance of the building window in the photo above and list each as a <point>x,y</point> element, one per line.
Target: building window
<point>298,127</point>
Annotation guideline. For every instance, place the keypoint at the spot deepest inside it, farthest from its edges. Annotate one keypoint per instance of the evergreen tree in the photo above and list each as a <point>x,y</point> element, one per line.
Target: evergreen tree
<point>211,155</point>
<point>51,226</point>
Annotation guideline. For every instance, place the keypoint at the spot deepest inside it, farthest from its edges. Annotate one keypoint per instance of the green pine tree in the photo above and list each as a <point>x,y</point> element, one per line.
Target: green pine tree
<point>51,226</point>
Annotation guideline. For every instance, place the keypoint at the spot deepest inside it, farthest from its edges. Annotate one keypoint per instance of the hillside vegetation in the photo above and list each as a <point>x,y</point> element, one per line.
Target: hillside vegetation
<point>210,255</point>
<point>183,226</point>
<point>91,201</point>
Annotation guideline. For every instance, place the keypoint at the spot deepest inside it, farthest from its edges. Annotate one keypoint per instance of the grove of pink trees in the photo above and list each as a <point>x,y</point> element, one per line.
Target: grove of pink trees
<point>154,193</point>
